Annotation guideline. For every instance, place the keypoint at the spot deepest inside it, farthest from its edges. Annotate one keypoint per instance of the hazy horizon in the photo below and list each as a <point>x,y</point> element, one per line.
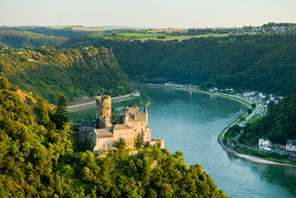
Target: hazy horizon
<point>146,14</point>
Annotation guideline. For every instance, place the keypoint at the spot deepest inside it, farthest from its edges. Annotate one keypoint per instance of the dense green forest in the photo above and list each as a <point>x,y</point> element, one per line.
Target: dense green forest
<point>279,124</point>
<point>37,159</point>
<point>23,39</point>
<point>73,72</point>
<point>258,62</point>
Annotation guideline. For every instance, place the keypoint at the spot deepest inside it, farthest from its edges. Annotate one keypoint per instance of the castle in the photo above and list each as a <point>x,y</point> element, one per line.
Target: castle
<point>108,129</point>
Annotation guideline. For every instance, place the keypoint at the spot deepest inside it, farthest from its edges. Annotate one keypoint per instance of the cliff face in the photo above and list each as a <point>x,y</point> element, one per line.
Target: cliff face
<point>74,72</point>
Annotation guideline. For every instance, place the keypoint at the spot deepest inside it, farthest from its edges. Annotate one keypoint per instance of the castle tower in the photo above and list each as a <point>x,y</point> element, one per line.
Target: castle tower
<point>146,114</point>
<point>126,117</point>
<point>103,113</point>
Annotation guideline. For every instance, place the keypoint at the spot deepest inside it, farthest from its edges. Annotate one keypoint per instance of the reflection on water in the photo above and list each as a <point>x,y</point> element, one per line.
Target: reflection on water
<point>190,122</point>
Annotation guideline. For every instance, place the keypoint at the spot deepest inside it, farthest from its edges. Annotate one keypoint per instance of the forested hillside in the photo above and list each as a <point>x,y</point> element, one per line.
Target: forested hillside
<point>278,125</point>
<point>37,160</point>
<point>73,72</point>
<point>265,62</point>
<point>23,39</point>
<point>66,32</point>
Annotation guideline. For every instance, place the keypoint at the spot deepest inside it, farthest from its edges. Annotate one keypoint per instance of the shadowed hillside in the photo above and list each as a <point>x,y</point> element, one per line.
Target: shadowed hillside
<point>263,62</point>
<point>74,72</point>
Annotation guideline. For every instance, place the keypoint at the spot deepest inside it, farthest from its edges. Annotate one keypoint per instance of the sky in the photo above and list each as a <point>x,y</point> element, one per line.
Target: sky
<point>147,13</point>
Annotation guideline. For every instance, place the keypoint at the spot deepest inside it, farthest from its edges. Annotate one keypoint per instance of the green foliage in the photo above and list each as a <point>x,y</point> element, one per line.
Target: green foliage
<point>73,72</point>
<point>231,133</point>
<point>264,62</point>
<point>138,142</point>
<point>4,84</point>
<point>29,147</point>
<point>121,144</point>
<point>151,173</point>
<point>60,116</point>
<point>37,160</point>
<point>279,124</point>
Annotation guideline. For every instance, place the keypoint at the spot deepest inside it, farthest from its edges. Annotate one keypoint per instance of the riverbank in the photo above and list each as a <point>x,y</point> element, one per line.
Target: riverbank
<point>238,121</point>
<point>76,105</point>
<point>246,156</point>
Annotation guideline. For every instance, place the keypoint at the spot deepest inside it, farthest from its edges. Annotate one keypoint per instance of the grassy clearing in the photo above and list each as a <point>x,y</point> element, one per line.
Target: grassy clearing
<point>166,37</point>
<point>254,119</point>
<point>143,35</point>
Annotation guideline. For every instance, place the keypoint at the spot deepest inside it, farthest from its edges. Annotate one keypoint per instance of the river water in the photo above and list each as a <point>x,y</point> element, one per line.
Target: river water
<point>190,122</point>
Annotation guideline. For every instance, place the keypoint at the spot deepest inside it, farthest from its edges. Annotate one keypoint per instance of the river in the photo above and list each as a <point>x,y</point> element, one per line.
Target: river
<point>190,122</point>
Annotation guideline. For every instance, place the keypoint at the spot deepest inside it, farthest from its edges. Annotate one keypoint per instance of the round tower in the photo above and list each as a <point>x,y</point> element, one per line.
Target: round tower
<point>103,113</point>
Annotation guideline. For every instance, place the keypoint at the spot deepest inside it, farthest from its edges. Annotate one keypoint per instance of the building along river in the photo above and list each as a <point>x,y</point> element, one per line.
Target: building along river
<point>191,122</point>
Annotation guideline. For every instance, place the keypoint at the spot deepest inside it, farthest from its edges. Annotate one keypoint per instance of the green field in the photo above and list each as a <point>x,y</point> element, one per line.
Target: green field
<point>144,35</point>
<point>164,36</point>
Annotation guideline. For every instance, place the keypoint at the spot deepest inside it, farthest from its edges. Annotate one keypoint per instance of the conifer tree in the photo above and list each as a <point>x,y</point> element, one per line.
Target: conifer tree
<point>138,141</point>
<point>60,116</point>
<point>121,144</point>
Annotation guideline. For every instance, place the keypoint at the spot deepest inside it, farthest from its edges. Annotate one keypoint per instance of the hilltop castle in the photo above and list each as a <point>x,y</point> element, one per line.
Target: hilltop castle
<point>108,129</point>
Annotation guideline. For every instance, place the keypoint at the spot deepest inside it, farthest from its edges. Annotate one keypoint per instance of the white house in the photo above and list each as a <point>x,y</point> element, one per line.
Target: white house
<point>137,93</point>
<point>247,94</point>
<point>261,95</point>
<point>264,144</point>
<point>291,145</point>
<point>213,89</point>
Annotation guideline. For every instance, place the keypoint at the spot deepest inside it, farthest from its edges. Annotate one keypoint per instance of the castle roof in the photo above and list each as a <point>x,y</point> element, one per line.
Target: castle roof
<point>121,127</point>
<point>135,115</point>
<point>103,133</point>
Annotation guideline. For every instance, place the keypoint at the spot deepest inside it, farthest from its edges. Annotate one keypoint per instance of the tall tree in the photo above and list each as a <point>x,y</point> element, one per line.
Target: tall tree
<point>4,84</point>
<point>138,141</point>
<point>60,116</point>
<point>121,144</point>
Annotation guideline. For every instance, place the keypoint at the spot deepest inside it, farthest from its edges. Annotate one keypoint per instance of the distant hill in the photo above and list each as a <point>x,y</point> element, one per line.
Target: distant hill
<point>264,62</point>
<point>25,39</point>
<point>66,31</point>
<point>278,125</point>
<point>74,72</point>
